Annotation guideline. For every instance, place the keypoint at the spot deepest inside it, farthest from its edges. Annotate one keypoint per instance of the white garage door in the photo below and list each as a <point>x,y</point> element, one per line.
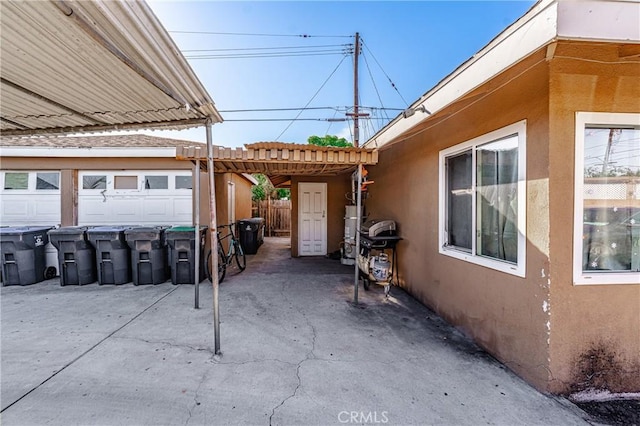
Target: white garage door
<point>134,198</point>
<point>29,198</point>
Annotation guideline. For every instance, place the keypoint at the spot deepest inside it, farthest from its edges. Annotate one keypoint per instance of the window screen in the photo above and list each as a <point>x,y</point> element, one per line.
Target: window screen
<point>183,182</point>
<point>48,181</point>
<point>459,200</point>
<point>125,182</point>
<point>94,182</point>
<point>156,182</point>
<point>16,181</point>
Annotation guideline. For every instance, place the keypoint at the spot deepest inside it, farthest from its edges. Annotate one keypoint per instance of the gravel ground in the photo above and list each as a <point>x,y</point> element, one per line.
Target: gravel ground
<point>624,412</point>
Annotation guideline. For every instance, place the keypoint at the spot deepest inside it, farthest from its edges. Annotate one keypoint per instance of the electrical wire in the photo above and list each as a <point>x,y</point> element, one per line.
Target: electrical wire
<point>312,98</point>
<point>373,81</point>
<point>385,73</point>
<point>262,34</point>
<point>288,119</point>
<point>268,48</point>
<point>267,55</point>
<point>331,122</point>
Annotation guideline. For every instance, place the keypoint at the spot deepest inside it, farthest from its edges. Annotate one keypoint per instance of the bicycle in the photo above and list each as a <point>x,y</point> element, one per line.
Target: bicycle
<point>225,259</point>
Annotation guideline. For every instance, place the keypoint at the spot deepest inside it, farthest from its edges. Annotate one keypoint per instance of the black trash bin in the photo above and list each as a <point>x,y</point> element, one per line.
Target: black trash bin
<point>113,257</point>
<point>148,254</point>
<point>23,254</point>
<point>182,252</point>
<point>76,256</point>
<point>251,234</point>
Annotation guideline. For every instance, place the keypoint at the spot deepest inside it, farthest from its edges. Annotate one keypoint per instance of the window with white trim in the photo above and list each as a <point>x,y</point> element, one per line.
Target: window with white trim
<point>483,200</point>
<point>607,199</point>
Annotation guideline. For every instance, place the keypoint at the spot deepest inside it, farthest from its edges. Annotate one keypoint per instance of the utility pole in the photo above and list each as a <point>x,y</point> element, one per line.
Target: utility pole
<point>356,127</point>
<point>356,113</point>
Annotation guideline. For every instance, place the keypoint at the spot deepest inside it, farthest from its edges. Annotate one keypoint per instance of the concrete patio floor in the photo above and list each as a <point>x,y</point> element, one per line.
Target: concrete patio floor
<point>295,352</point>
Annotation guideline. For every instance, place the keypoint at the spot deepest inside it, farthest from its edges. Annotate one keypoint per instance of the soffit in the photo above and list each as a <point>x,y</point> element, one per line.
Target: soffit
<point>72,66</point>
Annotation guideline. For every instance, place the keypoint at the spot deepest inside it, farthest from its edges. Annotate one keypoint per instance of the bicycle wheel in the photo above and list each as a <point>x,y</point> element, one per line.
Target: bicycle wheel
<point>222,267</point>
<point>241,259</point>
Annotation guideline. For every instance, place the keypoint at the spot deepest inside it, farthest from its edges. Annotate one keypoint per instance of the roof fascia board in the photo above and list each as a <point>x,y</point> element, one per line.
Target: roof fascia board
<point>614,20</point>
<point>250,178</point>
<point>62,152</point>
<point>533,30</point>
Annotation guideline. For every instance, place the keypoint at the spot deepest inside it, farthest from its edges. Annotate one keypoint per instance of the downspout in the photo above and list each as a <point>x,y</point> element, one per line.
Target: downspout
<point>213,238</point>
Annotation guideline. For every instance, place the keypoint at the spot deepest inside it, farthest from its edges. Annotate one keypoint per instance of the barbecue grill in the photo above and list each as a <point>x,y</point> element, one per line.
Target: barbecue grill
<point>374,264</point>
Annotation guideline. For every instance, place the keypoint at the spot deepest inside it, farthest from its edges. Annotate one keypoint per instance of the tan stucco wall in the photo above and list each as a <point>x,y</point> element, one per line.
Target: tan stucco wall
<point>541,325</point>
<point>586,320</point>
<point>502,312</point>
<point>337,187</point>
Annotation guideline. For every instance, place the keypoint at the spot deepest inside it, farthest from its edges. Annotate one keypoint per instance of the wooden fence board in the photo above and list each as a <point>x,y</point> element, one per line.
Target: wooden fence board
<point>277,216</point>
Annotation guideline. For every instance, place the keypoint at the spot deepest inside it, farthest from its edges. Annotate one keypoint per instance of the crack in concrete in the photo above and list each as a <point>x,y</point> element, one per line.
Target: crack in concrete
<point>308,356</point>
<point>165,343</point>
<point>196,403</point>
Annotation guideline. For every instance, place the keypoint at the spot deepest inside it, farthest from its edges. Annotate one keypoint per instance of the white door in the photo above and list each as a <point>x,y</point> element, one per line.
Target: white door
<point>312,219</point>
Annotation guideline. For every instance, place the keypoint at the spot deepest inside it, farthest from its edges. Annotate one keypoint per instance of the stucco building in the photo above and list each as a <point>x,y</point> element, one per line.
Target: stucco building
<point>516,185</point>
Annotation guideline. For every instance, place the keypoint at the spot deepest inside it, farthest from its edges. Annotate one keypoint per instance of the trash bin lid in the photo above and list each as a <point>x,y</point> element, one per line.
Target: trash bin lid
<point>108,228</point>
<point>20,230</point>
<point>144,232</point>
<point>182,229</point>
<point>69,230</point>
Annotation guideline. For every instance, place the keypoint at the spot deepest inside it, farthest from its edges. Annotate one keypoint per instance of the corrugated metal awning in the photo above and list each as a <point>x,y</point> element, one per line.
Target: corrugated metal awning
<point>279,160</point>
<point>71,66</point>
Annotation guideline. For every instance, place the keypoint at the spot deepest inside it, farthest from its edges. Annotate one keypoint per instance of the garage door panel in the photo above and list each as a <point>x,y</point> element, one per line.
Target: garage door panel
<point>157,207</point>
<point>33,204</point>
<point>162,206</point>
<point>14,207</point>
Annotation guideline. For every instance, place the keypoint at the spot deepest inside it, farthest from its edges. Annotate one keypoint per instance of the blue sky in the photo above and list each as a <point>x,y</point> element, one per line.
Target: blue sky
<point>414,44</point>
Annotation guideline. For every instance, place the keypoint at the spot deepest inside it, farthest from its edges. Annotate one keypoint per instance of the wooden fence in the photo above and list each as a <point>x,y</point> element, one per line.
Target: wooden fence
<point>277,216</point>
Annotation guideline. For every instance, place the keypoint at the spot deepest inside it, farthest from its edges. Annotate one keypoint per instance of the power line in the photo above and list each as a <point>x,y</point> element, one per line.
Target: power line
<point>269,55</point>
<point>373,81</point>
<point>262,34</point>
<point>385,73</point>
<point>288,119</point>
<point>313,97</point>
<point>268,48</point>
<point>336,108</point>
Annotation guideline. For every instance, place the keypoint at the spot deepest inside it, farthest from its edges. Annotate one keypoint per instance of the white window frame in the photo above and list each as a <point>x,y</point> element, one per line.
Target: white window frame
<point>519,268</point>
<point>584,119</point>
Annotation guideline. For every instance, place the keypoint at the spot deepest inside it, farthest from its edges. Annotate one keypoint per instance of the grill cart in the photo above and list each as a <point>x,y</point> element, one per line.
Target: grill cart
<point>377,257</point>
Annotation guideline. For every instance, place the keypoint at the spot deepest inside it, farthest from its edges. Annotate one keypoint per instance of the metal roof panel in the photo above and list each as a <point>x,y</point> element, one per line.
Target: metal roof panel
<point>91,65</point>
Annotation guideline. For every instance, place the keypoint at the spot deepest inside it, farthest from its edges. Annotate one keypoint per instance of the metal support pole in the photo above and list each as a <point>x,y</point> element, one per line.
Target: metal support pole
<point>196,225</point>
<point>358,223</point>
<point>213,237</point>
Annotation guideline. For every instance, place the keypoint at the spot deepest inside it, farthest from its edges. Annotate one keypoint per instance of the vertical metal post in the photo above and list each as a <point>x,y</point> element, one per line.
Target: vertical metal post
<point>358,223</point>
<point>213,237</point>
<point>356,114</point>
<point>196,225</point>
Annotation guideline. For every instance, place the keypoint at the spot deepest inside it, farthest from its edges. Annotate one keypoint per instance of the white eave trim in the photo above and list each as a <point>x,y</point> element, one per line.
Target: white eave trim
<point>58,152</point>
<point>250,178</point>
<point>544,23</point>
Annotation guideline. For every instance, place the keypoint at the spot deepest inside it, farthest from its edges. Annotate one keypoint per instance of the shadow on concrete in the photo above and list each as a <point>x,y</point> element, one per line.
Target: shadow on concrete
<point>295,351</point>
